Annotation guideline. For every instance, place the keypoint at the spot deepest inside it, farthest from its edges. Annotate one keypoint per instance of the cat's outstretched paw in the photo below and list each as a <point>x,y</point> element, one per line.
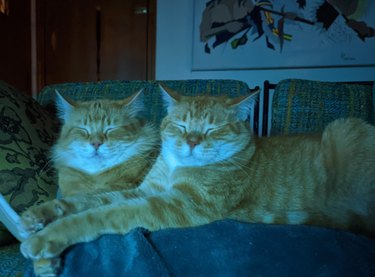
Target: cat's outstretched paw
<point>47,267</point>
<point>36,218</point>
<point>38,247</point>
<point>31,222</point>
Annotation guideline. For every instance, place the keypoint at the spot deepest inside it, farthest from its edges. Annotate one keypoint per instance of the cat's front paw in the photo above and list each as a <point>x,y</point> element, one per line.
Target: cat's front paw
<point>32,222</point>
<point>38,247</point>
<point>37,217</point>
<point>47,267</point>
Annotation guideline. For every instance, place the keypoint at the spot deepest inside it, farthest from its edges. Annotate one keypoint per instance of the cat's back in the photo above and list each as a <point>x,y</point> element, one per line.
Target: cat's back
<point>285,154</point>
<point>286,144</point>
<point>342,140</point>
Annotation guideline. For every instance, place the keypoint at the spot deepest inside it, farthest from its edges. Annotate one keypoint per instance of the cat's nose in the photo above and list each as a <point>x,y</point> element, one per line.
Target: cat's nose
<point>193,140</point>
<point>96,144</point>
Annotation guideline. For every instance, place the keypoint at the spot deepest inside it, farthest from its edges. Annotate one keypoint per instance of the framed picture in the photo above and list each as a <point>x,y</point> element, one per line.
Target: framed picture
<point>251,34</point>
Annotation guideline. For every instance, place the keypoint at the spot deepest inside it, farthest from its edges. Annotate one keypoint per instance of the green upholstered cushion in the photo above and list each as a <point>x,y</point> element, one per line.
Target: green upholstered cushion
<point>300,106</point>
<point>26,134</point>
<point>120,89</point>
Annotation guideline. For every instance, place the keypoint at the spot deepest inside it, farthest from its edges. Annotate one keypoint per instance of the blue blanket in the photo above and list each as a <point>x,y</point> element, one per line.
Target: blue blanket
<point>224,248</point>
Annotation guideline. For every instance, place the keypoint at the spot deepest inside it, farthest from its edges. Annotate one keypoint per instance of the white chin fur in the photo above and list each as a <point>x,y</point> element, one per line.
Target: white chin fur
<point>175,157</point>
<point>90,163</point>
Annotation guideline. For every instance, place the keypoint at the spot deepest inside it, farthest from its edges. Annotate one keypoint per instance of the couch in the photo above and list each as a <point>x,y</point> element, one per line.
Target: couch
<point>29,127</point>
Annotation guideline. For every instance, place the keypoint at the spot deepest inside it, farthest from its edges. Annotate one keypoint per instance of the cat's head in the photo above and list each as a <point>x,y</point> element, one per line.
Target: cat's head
<point>99,134</point>
<point>203,130</point>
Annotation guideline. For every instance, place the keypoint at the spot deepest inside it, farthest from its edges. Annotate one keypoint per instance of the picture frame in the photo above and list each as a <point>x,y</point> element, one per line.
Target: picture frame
<point>247,34</point>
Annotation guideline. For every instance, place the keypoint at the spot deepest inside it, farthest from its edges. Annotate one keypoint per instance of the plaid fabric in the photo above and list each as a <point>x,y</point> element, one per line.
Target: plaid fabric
<point>121,89</point>
<point>301,106</point>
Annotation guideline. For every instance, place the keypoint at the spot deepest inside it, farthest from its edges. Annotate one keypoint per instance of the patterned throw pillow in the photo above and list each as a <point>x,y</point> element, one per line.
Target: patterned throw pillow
<point>26,133</point>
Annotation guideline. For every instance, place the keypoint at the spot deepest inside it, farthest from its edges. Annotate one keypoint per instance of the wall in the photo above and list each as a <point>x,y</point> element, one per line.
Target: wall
<point>174,49</point>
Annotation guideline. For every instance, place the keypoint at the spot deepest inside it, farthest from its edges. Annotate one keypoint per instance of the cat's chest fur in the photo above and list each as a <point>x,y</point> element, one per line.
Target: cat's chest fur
<point>94,165</point>
<point>165,176</point>
<point>124,175</point>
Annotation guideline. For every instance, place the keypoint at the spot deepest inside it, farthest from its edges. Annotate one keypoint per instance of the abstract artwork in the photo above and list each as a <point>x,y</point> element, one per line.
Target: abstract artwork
<point>251,34</point>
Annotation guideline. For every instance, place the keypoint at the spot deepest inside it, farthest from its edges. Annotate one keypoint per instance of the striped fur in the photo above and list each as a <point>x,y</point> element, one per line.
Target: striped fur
<point>211,167</point>
<point>103,146</point>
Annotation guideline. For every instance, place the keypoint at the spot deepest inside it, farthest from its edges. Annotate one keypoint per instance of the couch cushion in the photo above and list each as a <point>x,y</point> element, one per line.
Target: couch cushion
<point>300,106</point>
<point>26,134</point>
<point>120,89</point>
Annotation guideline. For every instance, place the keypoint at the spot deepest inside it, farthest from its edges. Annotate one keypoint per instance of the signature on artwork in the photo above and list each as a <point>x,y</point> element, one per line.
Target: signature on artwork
<point>346,57</point>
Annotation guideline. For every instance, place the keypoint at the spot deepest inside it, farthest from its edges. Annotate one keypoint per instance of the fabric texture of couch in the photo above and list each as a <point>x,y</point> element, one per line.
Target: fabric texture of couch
<point>302,106</point>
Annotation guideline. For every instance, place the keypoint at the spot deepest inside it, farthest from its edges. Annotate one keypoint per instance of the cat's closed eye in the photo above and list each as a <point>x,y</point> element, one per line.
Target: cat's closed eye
<point>110,130</point>
<point>80,131</point>
<point>210,130</point>
<point>214,129</point>
<point>121,132</point>
<point>180,126</point>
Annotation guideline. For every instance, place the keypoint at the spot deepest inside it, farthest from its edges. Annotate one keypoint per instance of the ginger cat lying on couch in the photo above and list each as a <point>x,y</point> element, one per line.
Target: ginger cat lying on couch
<point>211,167</point>
<point>103,146</point>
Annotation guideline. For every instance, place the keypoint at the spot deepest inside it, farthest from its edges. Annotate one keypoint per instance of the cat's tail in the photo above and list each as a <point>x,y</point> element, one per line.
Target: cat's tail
<point>350,143</point>
<point>349,150</point>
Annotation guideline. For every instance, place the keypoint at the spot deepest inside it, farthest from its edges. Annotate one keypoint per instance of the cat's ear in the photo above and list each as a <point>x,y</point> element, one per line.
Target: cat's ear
<point>245,105</point>
<point>170,97</point>
<point>135,103</point>
<point>64,106</point>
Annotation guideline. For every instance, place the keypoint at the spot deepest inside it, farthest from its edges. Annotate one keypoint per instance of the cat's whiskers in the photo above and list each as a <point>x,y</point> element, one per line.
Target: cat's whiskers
<point>238,165</point>
<point>57,157</point>
<point>48,164</point>
<point>241,159</point>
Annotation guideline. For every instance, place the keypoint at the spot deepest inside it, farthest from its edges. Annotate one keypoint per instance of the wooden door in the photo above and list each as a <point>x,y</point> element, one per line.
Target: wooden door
<point>93,40</point>
<point>70,41</point>
<point>125,35</point>
<point>15,51</point>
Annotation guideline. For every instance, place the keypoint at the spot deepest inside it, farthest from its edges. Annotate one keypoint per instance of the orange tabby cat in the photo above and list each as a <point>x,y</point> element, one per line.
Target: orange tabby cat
<point>103,146</point>
<point>211,167</point>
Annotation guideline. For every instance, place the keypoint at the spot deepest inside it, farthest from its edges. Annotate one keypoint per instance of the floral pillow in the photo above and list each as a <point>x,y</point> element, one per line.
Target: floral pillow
<point>27,132</point>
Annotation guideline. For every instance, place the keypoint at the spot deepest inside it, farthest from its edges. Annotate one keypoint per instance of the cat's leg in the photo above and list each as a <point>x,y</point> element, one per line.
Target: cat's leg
<point>47,267</point>
<point>37,217</point>
<point>153,213</point>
